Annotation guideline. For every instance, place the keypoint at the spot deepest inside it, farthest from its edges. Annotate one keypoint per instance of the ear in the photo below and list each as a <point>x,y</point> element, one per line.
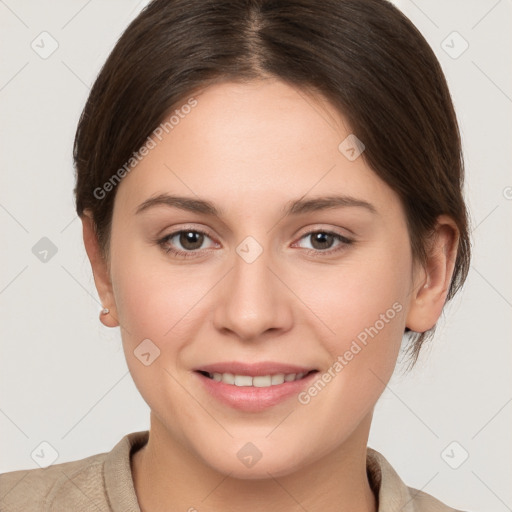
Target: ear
<point>100,270</point>
<point>432,281</point>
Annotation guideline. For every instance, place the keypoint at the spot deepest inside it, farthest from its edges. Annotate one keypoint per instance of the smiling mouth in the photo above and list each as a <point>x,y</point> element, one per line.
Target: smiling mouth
<point>259,381</point>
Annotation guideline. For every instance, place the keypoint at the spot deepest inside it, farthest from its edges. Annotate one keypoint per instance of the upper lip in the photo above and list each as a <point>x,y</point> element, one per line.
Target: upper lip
<point>254,369</point>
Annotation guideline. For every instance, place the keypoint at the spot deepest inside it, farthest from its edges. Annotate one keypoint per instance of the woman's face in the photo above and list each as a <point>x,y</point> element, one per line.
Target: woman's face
<point>282,281</point>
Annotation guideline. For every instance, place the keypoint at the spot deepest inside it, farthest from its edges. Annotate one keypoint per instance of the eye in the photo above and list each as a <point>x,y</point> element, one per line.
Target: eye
<point>322,242</point>
<point>190,239</point>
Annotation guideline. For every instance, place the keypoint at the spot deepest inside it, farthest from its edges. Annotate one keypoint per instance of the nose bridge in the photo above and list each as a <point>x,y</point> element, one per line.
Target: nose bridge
<point>251,300</point>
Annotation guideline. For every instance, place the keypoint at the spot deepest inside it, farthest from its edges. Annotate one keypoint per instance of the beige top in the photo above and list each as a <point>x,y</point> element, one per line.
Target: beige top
<point>104,482</point>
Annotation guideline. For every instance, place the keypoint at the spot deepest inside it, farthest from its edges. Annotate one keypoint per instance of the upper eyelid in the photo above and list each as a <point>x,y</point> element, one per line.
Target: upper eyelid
<point>306,232</point>
<point>332,230</point>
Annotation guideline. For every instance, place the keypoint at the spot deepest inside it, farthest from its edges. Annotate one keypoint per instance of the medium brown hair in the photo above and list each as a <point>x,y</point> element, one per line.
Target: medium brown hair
<point>364,56</point>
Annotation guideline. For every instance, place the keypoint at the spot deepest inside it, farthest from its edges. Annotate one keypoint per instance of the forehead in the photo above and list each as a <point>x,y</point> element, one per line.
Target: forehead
<point>252,144</point>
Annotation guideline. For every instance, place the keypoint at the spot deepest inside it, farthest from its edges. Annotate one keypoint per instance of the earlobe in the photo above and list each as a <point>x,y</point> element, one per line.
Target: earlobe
<point>433,280</point>
<point>100,271</point>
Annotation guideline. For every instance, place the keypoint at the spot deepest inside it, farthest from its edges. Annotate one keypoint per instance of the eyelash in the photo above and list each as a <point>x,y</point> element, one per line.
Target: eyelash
<point>314,252</point>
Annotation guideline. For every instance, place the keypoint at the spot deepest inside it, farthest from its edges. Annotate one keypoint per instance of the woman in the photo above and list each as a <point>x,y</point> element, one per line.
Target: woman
<point>271,197</point>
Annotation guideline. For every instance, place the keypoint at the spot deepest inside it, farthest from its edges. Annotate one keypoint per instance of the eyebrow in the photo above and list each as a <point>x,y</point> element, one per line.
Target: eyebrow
<point>294,207</point>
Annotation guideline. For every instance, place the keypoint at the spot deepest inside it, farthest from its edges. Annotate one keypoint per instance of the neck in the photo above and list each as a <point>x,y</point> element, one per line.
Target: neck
<point>337,482</point>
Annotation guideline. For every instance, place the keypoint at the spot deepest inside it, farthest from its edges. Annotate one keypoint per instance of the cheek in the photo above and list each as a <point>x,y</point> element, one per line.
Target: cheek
<point>163,302</point>
<point>363,299</point>
<point>154,300</point>
<point>363,304</point>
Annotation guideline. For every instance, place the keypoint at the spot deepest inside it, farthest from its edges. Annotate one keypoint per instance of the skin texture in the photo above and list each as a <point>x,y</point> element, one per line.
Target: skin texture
<point>249,149</point>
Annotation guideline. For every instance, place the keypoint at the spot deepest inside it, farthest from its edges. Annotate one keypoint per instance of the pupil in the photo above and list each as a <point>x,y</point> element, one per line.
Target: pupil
<point>188,237</point>
<point>321,237</point>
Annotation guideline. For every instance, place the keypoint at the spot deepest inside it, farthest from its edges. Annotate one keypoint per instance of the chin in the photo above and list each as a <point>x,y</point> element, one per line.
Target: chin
<point>245,461</point>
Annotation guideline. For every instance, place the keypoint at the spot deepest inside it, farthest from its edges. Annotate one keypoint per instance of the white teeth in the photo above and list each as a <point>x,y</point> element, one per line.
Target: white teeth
<point>277,379</point>
<point>228,378</point>
<point>260,381</point>
<point>243,380</point>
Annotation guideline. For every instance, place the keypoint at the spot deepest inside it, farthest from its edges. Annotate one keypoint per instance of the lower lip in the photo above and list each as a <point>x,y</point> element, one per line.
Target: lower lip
<point>253,399</point>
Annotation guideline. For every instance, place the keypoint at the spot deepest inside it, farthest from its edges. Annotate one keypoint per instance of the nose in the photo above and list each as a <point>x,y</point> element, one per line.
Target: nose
<point>253,300</point>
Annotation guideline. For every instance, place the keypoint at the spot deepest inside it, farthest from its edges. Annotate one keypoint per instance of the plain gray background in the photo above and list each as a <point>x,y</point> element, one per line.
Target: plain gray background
<point>63,376</point>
